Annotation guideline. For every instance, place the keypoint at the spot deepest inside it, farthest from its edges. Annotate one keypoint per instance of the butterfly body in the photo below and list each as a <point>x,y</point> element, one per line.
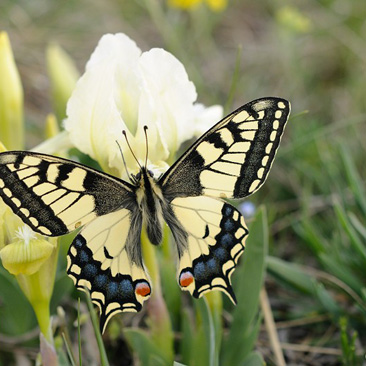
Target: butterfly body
<point>150,200</point>
<point>55,196</point>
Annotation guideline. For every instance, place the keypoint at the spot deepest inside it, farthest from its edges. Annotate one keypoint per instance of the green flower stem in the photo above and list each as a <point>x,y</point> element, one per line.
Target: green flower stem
<point>94,319</point>
<point>151,262</point>
<point>38,289</point>
<point>165,245</point>
<point>159,318</point>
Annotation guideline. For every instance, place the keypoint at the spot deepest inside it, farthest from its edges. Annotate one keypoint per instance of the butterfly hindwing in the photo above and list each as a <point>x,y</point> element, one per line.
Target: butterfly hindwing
<point>105,257</point>
<point>55,196</point>
<point>215,239</point>
<point>233,158</point>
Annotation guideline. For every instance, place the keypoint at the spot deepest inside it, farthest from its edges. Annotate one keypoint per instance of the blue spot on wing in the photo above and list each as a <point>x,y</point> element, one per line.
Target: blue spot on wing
<point>226,240</point>
<point>100,281</point>
<point>227,210</point>
<point>126,286</point>
<point>199,270</point>
<point>84,257</point>
<point>112,290</point>
<point>229,225</point>
<point>90,270</point>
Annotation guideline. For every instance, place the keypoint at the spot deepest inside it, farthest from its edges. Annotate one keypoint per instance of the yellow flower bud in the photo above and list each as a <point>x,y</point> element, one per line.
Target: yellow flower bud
<point>52,128</point>
<point>184,4</point>
<point>63,76</point>
<point>11,98</point>
<point>26,255</point>
<point>217,5</point>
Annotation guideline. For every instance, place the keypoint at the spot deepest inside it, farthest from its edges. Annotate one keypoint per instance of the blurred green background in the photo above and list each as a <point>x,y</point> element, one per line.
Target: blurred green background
<point>312,53</point>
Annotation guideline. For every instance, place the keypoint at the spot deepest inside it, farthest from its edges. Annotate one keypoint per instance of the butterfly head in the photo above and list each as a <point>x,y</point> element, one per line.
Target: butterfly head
<point>143,174</point>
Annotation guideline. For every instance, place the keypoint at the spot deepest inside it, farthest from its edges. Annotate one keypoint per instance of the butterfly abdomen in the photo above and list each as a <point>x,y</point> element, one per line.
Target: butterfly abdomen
<point>149,199</point>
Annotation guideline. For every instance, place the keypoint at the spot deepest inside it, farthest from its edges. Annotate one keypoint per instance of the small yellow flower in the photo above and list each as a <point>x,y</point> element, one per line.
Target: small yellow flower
<point>11,98</point>
<point>293,20</point>
<point>214,5</point>
<point>27,254</point>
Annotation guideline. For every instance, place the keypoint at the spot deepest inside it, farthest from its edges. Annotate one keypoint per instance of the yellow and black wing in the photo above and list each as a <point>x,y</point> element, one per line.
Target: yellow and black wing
<point>55,196</point>
<point>105,257</point>
<point>212,240</point>
<point>233,158</point>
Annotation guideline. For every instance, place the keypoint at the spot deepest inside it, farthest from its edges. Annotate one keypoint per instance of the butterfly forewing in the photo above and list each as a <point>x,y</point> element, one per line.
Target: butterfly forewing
<point>233,158</point>
<point>55,196</point>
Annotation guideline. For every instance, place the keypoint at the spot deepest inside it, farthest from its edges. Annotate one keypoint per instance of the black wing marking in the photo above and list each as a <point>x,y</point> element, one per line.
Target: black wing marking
<point>233,158</point>
<point>54,195</point>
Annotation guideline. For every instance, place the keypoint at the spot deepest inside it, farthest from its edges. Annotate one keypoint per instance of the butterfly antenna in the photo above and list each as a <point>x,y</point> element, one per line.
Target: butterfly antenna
<point>129,146</point>
<point>147,145</point>
<point>124,162</point>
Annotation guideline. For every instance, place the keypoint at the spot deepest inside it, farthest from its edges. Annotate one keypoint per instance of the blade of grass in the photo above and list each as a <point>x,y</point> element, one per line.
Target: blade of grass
<point>357,224</point>
<point>291,274</point>
<point>354,179</point>
<point>69,350</point>
<point>98,336</point>
<point>79,337</point>
<point>234,80</point>
<point>352,234</point>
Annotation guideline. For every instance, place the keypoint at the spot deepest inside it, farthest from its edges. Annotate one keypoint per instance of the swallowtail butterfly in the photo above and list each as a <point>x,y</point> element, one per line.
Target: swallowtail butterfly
<point>231,160</point>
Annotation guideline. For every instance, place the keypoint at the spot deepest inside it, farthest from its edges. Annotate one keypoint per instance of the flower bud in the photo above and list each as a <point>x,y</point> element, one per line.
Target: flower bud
<point>63,75</point>
<point>11,98</point>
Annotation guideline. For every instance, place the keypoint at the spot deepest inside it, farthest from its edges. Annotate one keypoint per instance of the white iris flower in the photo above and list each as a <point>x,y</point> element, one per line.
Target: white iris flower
<point>124,88</point>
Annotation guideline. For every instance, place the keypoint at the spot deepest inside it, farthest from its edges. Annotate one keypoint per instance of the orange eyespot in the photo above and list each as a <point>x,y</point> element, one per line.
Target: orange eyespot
<point>186,278</point>
<point>143,289</point>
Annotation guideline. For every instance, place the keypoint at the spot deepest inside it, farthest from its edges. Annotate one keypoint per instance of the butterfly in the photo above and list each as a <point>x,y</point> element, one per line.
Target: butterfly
<point>231,160</point>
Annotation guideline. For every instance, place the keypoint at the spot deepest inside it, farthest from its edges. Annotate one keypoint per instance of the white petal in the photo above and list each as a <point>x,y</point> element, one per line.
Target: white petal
<point>95,110</point>
<point>205,118</point>
<point>167,97</point>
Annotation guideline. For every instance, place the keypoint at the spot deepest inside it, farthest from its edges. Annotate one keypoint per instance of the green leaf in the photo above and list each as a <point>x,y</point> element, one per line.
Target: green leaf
<point>341,271</point>
<point>253,359</point>
<point>187,344</point>
<point>148,353</point>
<point>63,287</point>
<point>355,240</point>
<point>16,313</point>
<point>208,330</point>
<point>327,300</point>
<point>354,179</point>
<point>361,229</point>
<point>248,283</point>
<point>312,237</point>
<point>291,274</point>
